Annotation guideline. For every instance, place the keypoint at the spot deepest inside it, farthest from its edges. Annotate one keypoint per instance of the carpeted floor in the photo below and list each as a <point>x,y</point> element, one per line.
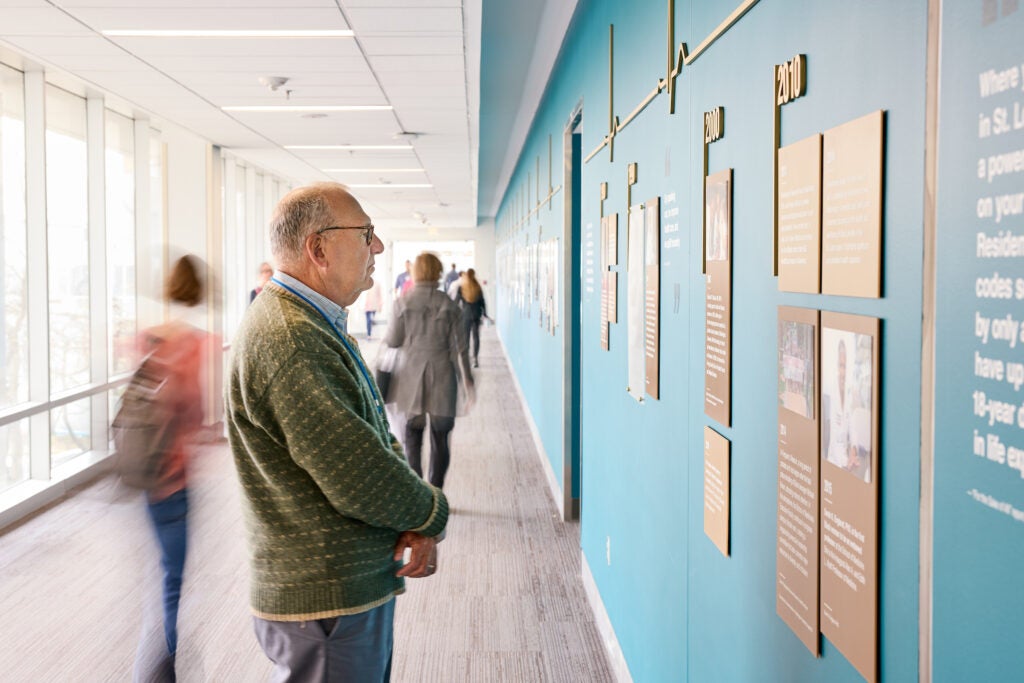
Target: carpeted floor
<point>79,580</point>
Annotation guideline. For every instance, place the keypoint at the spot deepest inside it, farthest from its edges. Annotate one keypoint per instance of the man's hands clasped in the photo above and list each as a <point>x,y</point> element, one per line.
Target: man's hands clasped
<point>422,557</point>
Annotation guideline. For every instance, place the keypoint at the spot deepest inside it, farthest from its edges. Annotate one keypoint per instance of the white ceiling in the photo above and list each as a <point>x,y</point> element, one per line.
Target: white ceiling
<point>420,56</point>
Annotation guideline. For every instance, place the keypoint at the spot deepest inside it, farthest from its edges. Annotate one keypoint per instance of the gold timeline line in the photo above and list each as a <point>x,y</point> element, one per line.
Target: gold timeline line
<point>668,83</point>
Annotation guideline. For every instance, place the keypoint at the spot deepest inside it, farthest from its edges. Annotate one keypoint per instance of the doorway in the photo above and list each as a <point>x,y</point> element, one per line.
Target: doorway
<point>571,258</point>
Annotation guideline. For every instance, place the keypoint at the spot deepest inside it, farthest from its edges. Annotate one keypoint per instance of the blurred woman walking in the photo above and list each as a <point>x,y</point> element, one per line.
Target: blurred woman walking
<point>474,310</point>
<point>434,361</point>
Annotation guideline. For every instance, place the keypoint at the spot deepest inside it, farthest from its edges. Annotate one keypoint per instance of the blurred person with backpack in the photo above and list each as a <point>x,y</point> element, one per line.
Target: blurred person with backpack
<point>474,309</point>
<point>172,359</point>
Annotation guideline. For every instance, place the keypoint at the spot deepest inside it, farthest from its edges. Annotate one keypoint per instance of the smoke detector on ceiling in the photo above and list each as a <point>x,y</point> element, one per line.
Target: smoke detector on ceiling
<point>273,82</point>
<point>418,215</point>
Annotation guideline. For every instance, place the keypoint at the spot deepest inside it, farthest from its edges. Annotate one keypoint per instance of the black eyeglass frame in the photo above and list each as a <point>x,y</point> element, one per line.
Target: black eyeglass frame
<point>368,228</point>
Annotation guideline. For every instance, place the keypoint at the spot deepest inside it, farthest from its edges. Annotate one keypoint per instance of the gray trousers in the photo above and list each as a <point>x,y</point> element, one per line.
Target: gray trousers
<point>353,648</point>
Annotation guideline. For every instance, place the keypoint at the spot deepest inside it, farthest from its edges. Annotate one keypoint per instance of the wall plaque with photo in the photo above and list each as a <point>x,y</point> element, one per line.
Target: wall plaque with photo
<point>798,510</point>
<point>718,297</point>
<point>849,487</point>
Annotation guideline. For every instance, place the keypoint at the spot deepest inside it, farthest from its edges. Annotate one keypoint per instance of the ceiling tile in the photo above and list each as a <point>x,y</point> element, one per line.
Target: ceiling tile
<point>412,46</point>
<point>218,48</point>
<point>38,20</point>
<point>52,47</point>
<point>403,4</point>
<point>383,64</point>
<point>379,20</point>
<point>204,17</point>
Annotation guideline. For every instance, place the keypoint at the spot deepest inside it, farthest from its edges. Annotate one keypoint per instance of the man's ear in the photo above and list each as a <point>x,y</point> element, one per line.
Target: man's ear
<point>314,248</point>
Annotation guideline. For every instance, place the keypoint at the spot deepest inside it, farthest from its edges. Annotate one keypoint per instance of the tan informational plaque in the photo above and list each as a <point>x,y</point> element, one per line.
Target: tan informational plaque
<point>849,487</point>
<point>652,294</point>
<point>613,239</point>
<point>716,489</point>
<point>635,307</point>
<point>718,297</point>
<point>613,296</point>
<point>800,216</point>
<point>797,520</point>
<point>605,285</point>
<point>851,208</point>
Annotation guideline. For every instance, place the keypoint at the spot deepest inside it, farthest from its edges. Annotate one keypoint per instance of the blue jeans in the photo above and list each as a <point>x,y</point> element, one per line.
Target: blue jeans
<point>170,521</point>
<point>355,647</point>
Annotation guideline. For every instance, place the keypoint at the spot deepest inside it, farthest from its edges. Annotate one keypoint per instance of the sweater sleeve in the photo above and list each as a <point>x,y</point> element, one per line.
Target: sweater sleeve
<point>328,424</point>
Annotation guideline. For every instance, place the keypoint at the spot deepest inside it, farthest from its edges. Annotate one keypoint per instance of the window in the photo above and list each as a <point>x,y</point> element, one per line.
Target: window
<point>156,185</point>
<point>67,211</point>
<point>120,207</point>
<point>70,432</point>
<point>14,454</point>
<point>13,259</point>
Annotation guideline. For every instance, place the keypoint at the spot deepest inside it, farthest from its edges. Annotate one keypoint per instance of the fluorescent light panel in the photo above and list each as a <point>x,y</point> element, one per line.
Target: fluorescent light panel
<point>301,108</point>
<point>218,33</point>
<point>347,147</point>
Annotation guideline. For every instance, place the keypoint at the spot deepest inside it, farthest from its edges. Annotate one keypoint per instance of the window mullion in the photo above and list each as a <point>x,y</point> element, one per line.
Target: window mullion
<point>36,275</point>
<point>95,138</point>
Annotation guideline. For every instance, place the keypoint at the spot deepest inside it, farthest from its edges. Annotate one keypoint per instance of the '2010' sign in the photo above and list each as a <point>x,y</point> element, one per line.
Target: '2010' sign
<point>790,80</point>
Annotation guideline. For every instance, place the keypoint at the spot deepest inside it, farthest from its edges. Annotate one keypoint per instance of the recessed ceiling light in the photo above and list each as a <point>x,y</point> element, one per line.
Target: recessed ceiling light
<point>373,170</point>
<point>218,33</point>
<point>371,186</point>
<point>347,147</point>
<point>304,108</point>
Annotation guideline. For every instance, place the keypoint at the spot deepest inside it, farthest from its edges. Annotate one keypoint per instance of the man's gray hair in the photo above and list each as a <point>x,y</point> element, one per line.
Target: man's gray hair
<point>299,214</point>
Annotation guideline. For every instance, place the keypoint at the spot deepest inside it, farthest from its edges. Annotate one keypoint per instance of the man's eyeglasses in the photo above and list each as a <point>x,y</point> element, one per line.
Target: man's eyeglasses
<point>368,228</point>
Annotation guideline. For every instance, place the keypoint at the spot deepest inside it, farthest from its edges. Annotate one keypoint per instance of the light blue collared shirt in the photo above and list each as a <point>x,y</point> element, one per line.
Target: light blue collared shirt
<point>337,315</point>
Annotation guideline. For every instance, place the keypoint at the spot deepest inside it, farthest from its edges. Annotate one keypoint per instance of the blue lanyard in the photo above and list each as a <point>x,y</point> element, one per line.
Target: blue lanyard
<point>341,336</point>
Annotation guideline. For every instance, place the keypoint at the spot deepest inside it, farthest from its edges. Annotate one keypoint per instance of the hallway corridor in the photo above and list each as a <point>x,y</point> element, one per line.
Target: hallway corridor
<point>79,579</point>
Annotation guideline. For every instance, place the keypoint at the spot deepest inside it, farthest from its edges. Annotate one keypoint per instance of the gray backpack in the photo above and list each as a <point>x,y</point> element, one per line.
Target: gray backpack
<point>145,425</point>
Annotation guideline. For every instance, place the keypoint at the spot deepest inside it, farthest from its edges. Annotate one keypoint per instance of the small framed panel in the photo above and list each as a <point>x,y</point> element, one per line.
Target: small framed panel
<point>851,208</point>
<point>635,306</point>
<point>716,489</point>
<point>800,216</point>
<point>652,295</point>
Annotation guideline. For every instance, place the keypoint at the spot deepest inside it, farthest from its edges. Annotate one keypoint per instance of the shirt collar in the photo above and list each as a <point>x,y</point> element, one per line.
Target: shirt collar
<point>335,313</point>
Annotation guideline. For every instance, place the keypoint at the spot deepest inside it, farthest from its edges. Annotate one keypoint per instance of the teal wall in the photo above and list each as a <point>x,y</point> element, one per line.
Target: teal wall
<point>680,610</point>
<point>979,551</point>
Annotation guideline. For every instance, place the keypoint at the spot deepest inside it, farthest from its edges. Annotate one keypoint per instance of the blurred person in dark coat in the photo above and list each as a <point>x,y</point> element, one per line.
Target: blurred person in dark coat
<point>428,328</point>
<point>263,277</point>
<point>474,309</point>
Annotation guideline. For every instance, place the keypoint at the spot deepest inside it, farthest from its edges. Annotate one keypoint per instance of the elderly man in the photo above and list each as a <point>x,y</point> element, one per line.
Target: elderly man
<point>331,505</point>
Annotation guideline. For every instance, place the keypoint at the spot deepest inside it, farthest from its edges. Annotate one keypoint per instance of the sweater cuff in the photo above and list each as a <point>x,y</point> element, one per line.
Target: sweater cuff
<point>438,516</point>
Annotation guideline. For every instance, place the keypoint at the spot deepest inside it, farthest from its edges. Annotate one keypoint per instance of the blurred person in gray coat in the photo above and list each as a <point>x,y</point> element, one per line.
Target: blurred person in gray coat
<point>428,329</point>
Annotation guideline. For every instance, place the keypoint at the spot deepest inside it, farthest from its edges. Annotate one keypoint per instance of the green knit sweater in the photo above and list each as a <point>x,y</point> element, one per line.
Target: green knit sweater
<point>326,488</point>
